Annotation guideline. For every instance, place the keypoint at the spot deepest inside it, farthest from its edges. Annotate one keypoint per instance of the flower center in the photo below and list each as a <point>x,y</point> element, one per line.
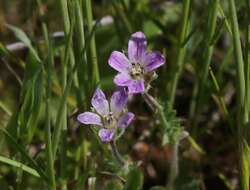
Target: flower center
<point>109,121</point>
<point>136,71</point>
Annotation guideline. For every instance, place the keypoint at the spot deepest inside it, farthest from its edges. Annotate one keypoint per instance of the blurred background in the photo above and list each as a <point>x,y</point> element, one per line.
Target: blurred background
<point>207,161</point>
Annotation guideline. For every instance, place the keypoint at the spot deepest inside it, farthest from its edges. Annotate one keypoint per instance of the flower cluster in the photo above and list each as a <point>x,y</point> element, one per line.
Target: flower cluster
<point>135,73</point>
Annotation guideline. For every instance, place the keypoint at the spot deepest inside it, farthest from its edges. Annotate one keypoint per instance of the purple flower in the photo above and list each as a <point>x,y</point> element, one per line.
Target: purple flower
<point>109,116</point>
<point>136,71</point>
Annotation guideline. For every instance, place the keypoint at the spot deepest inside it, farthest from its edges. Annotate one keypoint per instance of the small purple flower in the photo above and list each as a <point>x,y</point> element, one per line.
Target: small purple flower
<point>109,116</point>
<point>136,71</point>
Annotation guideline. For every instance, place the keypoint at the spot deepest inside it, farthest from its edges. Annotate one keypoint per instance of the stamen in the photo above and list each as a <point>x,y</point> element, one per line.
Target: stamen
<point>136,71</point>
<point>110,121</point>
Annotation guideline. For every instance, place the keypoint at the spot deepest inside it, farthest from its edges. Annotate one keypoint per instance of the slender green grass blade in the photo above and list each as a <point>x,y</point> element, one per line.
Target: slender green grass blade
<point>20,165</point>
<point>30,160</point>
<point>24,38</point>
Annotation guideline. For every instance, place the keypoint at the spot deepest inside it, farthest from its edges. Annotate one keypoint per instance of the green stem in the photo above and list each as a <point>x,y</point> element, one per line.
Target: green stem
<point>209,48</point>
<point>116,153</point>
<point>80,57</point>
<point>157,107</point>
<point>241,111</point>
<point>152,102</point>
<point>174,167</point>
<point>181,50</point>
<point>50,159</point>
<point>238,53</point>
<point>93,54</point>
<point>122,15</point>
<point>221,100</point>
<point>62,123</point>
<point>247,61</point>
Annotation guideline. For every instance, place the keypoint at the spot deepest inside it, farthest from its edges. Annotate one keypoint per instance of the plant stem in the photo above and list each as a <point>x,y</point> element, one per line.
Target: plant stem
<point>93,54</point>
<point>51,172</point>
<point>116,153</point>
<point>121,13</point>
<point>221,100</point>
<point>152,102</point>
<point>241,111</point>
<point>181,50</point>
<point>80,57</point>
<point>157,107</point>
<point>209,48</point>
<point>48,125</point>
<point>247,61</point>
<point>174,167</point>
<point>62,124</point>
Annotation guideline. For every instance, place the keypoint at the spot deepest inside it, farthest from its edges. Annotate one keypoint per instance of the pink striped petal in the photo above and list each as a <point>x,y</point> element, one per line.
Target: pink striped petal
<point>99,102</point>
<point>118,101</point>
<point>153,61</point>
<point>119,61</point>
<point>137,47</point>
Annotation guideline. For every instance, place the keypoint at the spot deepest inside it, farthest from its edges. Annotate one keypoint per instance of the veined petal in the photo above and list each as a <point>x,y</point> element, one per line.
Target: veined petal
<point>122,79</point>
<point>89,118</point>
<point>137,47</point>
<point>106,135</point>
<point>118,101</point>
<point>136,86</point>
<point>153,60</point>
<point>119,61</point>
<point>125,120</point>
<point>99,102</point>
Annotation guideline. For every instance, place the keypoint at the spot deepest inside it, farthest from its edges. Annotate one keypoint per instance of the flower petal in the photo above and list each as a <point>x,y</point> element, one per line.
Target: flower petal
<point>153,60</point>
<point>118,101</point>
<point>99,102</point>
<point>125,120</point>
<point>136,86</point>
<point>119,61</point>
<point>89,118</point>
<point>122,79</point>
<point>106,135</point>
<point>137,46</point>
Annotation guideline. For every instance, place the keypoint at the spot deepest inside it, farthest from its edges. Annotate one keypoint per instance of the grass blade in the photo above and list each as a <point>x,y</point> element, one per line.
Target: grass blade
<point>20,149</point>
<point>24,38</point>
<point>181,50</point>
<point>19,165</point>
<point>241,111</point>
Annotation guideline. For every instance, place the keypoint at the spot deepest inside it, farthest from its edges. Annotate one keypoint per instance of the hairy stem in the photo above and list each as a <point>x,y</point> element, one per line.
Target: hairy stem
<point>155,106</point>
<point>174,167</point>
<point>116,153</point>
